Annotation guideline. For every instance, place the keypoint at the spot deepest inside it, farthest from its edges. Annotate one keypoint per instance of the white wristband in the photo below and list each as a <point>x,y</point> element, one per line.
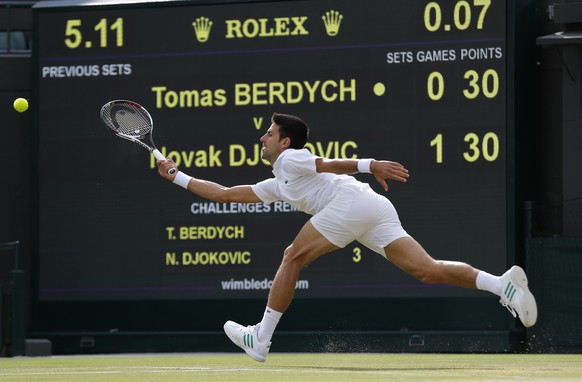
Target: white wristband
<point>364,165</point>
<point>182,179</point>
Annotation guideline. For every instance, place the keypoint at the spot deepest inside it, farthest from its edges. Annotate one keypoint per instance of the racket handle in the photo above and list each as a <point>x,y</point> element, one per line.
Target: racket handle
<point>159,156</point>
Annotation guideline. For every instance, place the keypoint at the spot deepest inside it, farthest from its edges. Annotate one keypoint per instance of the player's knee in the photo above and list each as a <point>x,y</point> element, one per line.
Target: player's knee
<point>424,277</point>
<point>293,257</point>
<point>290,255</point>
<point>428,274</point>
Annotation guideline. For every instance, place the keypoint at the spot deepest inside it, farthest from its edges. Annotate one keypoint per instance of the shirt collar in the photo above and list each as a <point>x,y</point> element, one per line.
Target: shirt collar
<point>277,164</point>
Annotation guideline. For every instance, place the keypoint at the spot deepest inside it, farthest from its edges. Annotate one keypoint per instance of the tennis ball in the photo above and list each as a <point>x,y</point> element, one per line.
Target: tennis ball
<point>20,105</point>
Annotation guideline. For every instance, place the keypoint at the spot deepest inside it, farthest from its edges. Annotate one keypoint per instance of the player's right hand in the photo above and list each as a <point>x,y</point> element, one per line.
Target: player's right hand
<point>164,166</point>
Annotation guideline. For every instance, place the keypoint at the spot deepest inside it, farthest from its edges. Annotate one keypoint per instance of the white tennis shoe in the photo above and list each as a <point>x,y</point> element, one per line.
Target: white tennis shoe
<point>517,298</point>
<point>246,337</point>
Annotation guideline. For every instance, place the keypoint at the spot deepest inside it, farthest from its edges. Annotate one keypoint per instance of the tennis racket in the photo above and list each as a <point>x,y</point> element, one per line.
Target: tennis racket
<point>129,120</point>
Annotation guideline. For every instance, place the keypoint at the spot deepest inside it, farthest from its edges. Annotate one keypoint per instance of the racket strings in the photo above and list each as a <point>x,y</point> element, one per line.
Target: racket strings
<point>129,120</point>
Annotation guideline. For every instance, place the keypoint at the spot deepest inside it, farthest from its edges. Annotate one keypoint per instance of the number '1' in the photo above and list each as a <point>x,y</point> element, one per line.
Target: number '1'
<point>438,143</point>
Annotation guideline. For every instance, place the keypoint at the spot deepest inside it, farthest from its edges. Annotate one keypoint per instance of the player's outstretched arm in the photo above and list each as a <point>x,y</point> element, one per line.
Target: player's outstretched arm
<point>207,189</point>
<point>381,169</point>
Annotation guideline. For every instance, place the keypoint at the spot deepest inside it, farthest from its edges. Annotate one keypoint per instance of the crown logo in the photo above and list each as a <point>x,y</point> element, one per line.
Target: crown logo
<point>202,27</point>
<point>332,20</point>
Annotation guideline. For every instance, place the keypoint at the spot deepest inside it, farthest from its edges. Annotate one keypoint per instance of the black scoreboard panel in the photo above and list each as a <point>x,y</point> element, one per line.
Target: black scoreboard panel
<point>420,82</point>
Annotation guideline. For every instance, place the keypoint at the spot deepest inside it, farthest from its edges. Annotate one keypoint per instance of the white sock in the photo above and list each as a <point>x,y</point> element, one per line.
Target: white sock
<point>268,324</point>
<point>488,282</point>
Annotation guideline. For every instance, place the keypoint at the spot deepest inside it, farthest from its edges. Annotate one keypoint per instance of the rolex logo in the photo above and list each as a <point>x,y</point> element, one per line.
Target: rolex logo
<point>332,20</point>
<point>202,27</point>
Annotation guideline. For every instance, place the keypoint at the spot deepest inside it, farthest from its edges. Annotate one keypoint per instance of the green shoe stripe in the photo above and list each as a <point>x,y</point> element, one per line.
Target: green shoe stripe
<point>248,340</point>
<point>510,291</point>
<point>512,294</point>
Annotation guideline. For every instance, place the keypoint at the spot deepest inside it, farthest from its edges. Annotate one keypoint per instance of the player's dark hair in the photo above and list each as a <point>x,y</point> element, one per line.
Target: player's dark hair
<point>292,127</point>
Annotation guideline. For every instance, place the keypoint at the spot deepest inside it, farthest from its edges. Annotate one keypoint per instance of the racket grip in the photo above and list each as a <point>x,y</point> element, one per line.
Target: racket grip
<point>158,155</point>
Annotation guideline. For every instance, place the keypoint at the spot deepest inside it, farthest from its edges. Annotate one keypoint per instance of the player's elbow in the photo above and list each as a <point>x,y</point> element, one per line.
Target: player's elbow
<point>229,195</point>
<point>223,197</point>
<point>324,165</point>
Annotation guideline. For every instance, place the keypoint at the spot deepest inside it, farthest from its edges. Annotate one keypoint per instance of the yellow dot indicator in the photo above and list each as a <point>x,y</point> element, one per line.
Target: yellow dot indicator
<point>88,44</point>
<point>379,89</point>
<point>447,27</point>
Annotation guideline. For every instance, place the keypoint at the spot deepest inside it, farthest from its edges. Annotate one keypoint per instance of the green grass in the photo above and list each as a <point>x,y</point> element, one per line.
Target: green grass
<point>296,367</point>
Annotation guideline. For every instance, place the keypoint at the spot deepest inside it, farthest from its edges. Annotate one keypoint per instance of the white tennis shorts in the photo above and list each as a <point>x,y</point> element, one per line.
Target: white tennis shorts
<point>358,213</point>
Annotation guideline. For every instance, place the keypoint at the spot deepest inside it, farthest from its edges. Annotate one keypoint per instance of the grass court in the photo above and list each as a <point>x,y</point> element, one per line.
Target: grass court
<point>295,367</point>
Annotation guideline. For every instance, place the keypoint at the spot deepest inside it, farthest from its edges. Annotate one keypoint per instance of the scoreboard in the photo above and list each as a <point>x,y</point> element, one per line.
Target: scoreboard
<point>421,82</point>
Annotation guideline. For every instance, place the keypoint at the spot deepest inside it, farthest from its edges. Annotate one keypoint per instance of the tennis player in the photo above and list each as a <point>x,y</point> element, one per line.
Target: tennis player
<point>344,209</point>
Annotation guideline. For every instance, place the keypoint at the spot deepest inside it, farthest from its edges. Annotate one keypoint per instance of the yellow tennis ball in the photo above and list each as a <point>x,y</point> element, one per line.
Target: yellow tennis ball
<point>20,105</point>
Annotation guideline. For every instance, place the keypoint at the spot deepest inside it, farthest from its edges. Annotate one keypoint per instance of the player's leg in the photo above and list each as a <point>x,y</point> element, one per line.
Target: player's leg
<point>512,287</point>
<point>408,255</point>
<point>308,245</point>
<point>386,236</point>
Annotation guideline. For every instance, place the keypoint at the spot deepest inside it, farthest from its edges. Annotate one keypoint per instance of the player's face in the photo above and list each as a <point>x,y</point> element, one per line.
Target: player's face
<point>272,146</point>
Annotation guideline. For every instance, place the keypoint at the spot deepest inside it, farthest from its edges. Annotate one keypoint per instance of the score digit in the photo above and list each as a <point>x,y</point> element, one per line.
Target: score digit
<point>437,143</point>
<point>485,6</point>
<point>435,86</point>
<point>357,255</point>
<point>75,36</point>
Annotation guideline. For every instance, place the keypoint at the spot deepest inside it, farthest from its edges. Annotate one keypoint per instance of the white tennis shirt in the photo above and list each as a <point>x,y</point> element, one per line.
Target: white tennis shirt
<point>298,183</point>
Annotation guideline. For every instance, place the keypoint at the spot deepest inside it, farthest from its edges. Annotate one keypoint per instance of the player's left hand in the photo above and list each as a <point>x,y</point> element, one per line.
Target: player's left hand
<point>383,170</point>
